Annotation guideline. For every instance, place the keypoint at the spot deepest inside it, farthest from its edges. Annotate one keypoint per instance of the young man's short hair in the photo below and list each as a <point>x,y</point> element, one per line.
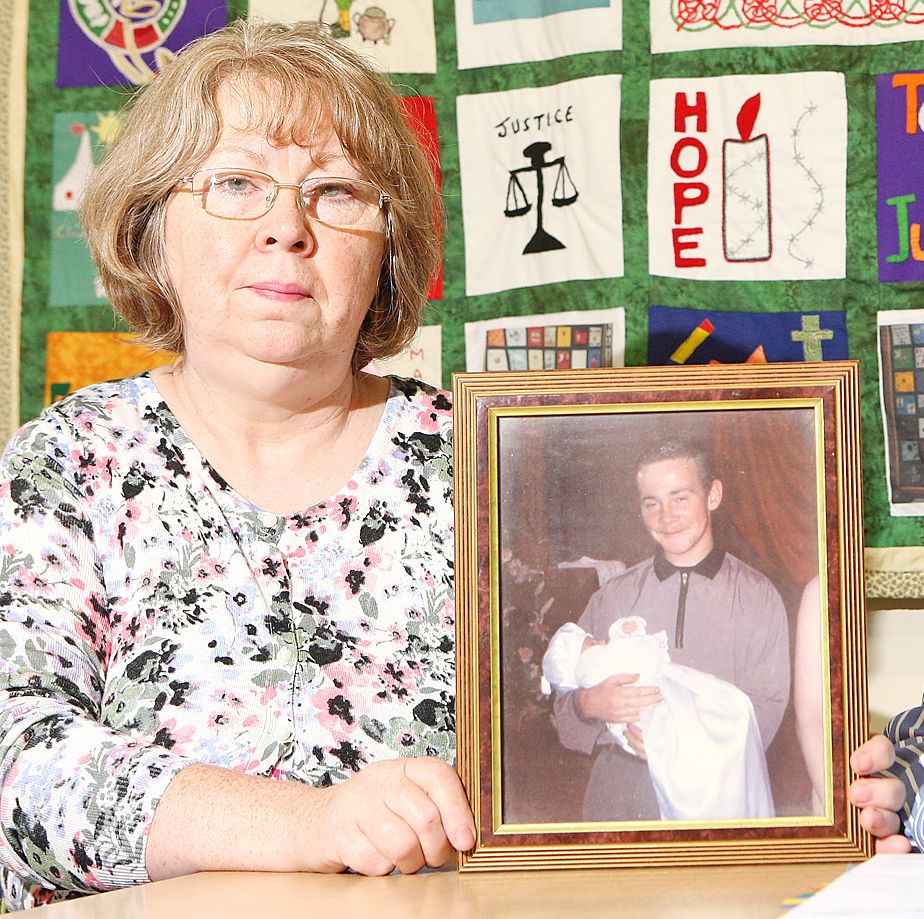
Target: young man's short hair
<point>678,448</point>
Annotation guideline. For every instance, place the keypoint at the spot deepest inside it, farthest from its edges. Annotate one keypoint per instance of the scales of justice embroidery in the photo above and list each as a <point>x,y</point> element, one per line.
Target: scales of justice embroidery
<point>564,193</point>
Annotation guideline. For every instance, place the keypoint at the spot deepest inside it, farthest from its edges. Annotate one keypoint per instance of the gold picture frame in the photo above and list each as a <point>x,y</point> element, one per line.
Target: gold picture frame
<point>547,465</point>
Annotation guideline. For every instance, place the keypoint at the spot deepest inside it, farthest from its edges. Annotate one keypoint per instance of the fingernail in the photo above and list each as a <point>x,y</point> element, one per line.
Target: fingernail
<point>862,762</point>
<point>466,840</point>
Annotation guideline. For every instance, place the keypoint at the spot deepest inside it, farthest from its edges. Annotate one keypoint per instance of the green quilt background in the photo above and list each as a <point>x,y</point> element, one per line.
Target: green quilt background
<point>860,294</point>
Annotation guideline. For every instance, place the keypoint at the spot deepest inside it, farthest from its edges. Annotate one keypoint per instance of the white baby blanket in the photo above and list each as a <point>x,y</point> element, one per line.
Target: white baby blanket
<point>705,754</point>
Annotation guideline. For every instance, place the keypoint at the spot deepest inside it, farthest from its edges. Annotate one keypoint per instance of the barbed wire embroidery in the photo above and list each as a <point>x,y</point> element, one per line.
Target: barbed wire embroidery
<point>815,185</point>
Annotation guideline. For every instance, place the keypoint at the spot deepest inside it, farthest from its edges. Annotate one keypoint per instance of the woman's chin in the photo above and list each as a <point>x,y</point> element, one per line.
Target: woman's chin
<point>295,357</point>
<point>276,345</point>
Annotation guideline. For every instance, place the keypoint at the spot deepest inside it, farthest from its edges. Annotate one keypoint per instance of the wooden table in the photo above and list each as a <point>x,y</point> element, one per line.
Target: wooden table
<point>746,892</point>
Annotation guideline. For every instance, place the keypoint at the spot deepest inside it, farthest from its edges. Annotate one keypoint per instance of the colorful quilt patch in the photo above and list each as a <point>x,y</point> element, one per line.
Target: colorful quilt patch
<point>79,140</point>
<point>900,183</point>
<point>504,10</point>
<point>901,354</point>
<point>694,336</point>
<point>77,359</point>
<point>111,41</point>
<point>421,114</point>
<point>568,348</point>
<point>747,177</point>
<point>685,25</point>
<point>554,341</point>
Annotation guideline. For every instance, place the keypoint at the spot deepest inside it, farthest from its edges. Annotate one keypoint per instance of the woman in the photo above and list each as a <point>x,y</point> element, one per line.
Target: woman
<point>238,568</point>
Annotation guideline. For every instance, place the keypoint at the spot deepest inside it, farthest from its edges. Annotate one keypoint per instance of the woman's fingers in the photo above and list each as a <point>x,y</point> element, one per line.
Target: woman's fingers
<point>394,838</point>
<point>402,814</point>
<point>377,840</point>
<point>360,854</point>
<point>429,842</point>
<point>443,787</point>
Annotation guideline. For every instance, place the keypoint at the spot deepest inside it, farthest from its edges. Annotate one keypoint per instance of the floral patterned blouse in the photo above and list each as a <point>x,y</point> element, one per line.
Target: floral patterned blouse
<point>151,618</point>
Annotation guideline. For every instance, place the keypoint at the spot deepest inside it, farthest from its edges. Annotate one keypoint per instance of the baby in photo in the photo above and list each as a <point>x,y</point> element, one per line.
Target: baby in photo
<point>705,756</point>
<point>575,660</point>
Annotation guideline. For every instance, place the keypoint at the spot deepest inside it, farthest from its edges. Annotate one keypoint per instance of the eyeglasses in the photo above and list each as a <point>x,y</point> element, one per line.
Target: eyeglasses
<point>245,194</point>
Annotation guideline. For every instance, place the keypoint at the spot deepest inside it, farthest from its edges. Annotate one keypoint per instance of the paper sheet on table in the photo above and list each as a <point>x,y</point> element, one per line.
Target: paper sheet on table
<point>886,885</point>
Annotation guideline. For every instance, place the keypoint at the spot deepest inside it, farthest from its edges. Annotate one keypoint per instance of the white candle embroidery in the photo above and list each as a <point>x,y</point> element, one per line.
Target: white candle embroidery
<point>746,219</point>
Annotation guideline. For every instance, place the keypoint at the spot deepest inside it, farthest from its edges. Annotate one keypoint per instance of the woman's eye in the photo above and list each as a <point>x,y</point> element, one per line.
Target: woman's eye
<point>331,190</point>
<point>335,191</point>
<point>236,184</point>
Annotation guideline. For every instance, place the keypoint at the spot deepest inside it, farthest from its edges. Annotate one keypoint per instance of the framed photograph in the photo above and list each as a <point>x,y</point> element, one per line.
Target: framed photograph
<point>660,614</point>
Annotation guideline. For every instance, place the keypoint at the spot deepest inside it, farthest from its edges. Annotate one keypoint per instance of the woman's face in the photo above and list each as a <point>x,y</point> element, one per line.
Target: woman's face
<point>276,289</point>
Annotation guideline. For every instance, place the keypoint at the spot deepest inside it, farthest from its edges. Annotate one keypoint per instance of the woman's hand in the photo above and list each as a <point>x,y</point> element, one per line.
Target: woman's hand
<point>616,700</point>
<point>879,797</point>
<point>403,813</point>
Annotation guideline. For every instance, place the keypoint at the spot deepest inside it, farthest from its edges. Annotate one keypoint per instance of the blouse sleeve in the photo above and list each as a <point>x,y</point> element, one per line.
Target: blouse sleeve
<point>76,798</point>
<point>906,731</point>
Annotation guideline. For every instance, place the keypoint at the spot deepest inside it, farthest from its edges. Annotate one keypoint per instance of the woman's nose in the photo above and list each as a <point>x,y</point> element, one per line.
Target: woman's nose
<point>285,224</point>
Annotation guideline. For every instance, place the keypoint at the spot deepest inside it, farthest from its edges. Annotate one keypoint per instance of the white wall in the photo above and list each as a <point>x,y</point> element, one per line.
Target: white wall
<point>895,653</point>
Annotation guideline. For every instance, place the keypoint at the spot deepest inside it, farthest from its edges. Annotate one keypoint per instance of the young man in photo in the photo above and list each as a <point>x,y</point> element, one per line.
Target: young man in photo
<point>721,617</point>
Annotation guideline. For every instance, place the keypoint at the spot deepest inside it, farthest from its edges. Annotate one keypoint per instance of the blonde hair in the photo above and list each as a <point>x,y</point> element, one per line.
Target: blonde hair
<point>174,123</point>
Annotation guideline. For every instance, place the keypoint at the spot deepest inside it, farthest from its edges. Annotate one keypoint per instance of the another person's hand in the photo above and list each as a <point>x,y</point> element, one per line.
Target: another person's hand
<point>635,741</point>
<point>403,813</point>
<point>616,700</point>
<point>879,797</point>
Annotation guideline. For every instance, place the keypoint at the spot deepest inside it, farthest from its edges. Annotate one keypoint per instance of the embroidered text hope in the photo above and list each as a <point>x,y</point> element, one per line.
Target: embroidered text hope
<point>688,161</point>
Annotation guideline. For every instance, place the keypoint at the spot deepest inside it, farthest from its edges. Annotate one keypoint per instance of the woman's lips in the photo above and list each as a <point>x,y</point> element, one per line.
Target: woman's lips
<point>274,290</point>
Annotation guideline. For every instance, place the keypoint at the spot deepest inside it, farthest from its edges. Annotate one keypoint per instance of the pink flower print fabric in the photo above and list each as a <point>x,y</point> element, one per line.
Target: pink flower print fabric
<point>151,618</point>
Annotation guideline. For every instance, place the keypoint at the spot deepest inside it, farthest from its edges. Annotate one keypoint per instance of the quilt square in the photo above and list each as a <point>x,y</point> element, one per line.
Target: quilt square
<point>687,25</point>
<point>421,360</point>
<point>111,41</point>
<point>77,359</point>
<point>678,335</point>
<point>902,401</point>
<point>747,177</point>
<point>398,34</point>
<point>518,343</point>
<point>490,32</point>
<point>899,184</point>
<point>541,197</point>
<point>79,140</point>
